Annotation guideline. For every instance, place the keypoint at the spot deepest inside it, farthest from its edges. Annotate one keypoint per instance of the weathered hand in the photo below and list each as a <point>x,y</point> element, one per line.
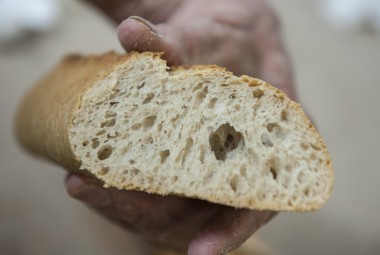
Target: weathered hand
<point>241,35</point>
<point>170,222</point>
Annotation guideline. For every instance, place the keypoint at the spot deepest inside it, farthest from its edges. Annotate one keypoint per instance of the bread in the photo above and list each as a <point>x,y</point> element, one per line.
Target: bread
<point>198,132</point>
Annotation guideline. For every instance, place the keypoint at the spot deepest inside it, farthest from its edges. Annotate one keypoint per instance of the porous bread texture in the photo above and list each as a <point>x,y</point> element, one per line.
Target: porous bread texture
<point>200,132</point>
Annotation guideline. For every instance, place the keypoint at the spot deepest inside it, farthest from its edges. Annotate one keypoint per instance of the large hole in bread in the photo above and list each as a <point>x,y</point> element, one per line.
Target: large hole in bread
<point>105,152</point>
<point>224,140</point>
<point>164,155</point>
<point>148,122</point>
<point>148,98</point>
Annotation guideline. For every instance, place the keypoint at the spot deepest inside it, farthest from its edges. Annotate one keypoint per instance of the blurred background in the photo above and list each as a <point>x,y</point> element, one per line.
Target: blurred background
<point>337,68</point>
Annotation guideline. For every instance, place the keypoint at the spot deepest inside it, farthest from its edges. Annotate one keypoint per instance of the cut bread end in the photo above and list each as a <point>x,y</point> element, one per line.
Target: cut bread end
<point>200,132</point>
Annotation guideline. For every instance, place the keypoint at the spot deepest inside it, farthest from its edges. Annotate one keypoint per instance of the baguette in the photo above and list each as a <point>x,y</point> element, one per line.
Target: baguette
<point>199,132</point>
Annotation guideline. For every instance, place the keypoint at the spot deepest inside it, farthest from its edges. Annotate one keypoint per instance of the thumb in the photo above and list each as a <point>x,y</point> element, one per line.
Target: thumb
<point>138,34</point>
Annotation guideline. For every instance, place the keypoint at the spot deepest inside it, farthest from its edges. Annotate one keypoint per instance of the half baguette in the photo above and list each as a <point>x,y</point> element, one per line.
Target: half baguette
<point>198,132</point>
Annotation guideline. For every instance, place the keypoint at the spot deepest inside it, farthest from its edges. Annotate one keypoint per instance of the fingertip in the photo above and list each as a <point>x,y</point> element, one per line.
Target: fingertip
<point>74,184</point>
<point>206,245</point>
<point>138,34</point>
<point>80,188</point>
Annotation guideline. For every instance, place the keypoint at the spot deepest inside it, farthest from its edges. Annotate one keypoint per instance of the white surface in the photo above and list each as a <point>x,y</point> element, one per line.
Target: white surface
<point>352,14</point>
<point>20,16</point>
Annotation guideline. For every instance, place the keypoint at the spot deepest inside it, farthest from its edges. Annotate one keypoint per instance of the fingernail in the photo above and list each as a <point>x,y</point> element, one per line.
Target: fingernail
<point>91,194</point>
<point>144,22</point>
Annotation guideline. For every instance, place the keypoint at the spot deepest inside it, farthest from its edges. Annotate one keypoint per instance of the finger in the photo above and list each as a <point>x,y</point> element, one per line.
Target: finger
<point>138,34</point>
<point>227,230</point>
<point>87,190</point>
<point>133,206</point>
<point>91,192</point>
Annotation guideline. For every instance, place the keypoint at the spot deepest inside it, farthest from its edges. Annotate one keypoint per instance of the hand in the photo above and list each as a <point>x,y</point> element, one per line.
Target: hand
<point>171,222</point>
<point>241,35</point>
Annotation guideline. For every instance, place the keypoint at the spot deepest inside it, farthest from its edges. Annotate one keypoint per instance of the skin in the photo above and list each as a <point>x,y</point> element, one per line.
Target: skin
<point>241,35</point>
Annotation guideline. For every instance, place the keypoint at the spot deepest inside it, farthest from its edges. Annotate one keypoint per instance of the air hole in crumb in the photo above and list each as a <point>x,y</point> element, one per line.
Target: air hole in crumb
<point>110,114</point>
<point>113,135</point>
<point>132,162</point>
<point>208,177</point>
<point>306,192</point>
<point>284,115</point>
<point>199,86</point>
<point>141,85</point>
<point>212,102</point>
<point>148,139</point>
<point>185,151</point>
<point>274,173</point>
<point>164,155</point>
<point>136,126</point>
<point>104,152</point>
<point>271,126</point>
<point>261,195</point>
<point>266,141</point>
<point>159,127</point>
<point>108,123</point>
<point>148,98</point>
<point>300,177</point>
<point>224,140</point>
<point>104,171</point>
<point>200,95</point>
<point>175,119</point>
<point>315,147</point>
<point>252,154</point>
<point>135,172</point>
<point>258,93</point>
<point>304,146</point>
<point>101,132</point>
<point>85,143</point>
<point>237,107</point>
<point>174,178</point>
<point>148,122</point>
<point>243,170</point>
<point>234,182</point>
<point>95,144</point>
<point>202,152</point>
